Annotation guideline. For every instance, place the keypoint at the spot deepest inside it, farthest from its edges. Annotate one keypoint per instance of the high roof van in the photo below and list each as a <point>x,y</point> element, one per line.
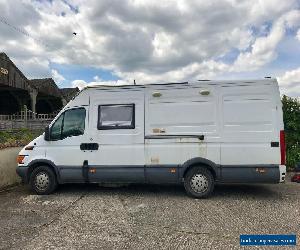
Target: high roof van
<point>196,133</point>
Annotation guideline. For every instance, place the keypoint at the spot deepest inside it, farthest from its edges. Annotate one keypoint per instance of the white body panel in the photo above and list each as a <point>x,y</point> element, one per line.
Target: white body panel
<point>66,152</point>
<point>181,111</point>
<point>118,146</point>
<point>250,121</point>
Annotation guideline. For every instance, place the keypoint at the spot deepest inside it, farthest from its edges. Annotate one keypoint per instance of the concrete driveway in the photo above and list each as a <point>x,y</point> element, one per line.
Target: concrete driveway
<point>145,217</point>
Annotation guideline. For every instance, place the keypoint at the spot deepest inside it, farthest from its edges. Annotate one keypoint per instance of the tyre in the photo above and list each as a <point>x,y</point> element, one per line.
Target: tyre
<point>43,180</point>
<point>199,182</point>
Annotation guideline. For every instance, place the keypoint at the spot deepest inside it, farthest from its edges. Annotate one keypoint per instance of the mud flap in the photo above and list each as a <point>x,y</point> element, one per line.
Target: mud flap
<point>85,171</point>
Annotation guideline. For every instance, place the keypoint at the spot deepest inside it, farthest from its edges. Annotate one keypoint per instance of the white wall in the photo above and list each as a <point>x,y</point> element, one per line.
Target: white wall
<point>8,165</point>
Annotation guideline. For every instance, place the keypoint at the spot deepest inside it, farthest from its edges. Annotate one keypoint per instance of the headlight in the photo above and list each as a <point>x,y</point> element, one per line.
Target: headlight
<point>20,159</point>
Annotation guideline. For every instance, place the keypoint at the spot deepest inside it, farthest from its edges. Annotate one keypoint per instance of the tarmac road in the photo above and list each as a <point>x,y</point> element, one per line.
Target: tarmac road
<point>146,217</point>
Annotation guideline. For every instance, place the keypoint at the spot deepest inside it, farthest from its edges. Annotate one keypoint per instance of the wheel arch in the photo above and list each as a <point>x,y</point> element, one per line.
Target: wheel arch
<point>199,161</point>
<point>42,162</point>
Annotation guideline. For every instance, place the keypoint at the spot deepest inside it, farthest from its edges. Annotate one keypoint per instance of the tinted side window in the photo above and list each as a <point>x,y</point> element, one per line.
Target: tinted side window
<point>74,123</point>
<point>70,123</point>
<point>55,133</point>
<point>116,116</point>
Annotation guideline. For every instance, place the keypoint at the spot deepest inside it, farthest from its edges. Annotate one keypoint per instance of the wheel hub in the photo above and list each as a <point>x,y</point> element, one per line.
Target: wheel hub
<point>42,181</point>
<point>199,183</point>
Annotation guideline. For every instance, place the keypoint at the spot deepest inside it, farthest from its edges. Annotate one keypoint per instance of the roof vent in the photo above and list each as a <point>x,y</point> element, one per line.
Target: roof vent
<point>268,77</point>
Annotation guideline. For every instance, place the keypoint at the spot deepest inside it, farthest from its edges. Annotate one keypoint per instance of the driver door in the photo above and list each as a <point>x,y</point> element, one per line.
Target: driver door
<point>67,133</point>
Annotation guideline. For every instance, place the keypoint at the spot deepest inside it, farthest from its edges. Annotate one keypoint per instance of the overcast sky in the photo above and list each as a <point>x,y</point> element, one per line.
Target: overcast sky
<point>153,41</point>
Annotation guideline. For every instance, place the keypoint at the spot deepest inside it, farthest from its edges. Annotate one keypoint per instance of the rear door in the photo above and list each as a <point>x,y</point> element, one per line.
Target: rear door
<point>249,115</point>
<point>117,126</point>
<point>250,131</point>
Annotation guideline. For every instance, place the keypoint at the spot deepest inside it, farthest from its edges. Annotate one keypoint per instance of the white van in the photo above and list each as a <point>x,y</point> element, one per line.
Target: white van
<point>196,133</point>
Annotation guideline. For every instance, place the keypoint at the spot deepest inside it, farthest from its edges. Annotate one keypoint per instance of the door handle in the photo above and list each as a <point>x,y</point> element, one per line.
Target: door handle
<point>204,92</point>
<point>156,94</point>
<point>89,146</point>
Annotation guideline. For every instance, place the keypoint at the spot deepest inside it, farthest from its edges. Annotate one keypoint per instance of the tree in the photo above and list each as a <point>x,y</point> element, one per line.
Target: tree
<point>291,119</point>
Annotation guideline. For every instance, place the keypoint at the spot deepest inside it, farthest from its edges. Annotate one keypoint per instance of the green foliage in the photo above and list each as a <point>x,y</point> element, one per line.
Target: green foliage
<point>16,138</point>
<point>4,136</point>
<point>291,119</point>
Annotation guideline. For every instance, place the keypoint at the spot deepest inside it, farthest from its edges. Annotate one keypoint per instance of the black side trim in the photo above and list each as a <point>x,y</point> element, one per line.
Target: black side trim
<point>163,166</point>
<point>257,173</point>
<point>123,166</point>
<point>200,137</point>
<point>251,166</point>
<point>162,173</point>
<point>169,173</point>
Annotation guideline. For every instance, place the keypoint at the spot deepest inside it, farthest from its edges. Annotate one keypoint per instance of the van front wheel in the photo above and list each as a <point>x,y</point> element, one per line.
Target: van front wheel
<point>199,182</point>
<point>43,180</point>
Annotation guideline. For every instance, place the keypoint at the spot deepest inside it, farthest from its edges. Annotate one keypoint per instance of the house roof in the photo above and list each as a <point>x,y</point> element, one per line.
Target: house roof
<point>46,86</point>
<point>3,56</point>
<point>69,93</point>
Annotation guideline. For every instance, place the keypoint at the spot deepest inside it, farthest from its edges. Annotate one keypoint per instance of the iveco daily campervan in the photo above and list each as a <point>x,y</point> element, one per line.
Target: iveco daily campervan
<point>196,133</point>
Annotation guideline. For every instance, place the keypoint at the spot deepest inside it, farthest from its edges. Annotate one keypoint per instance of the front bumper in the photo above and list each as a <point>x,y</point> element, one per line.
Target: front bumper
<point>23,173</point>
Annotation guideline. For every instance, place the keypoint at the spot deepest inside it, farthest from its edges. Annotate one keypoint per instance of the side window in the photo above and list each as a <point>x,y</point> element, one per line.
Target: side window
<point>116,116</point>
<point>55,133</point>
<point>73,124</point>
<point>70,123</point>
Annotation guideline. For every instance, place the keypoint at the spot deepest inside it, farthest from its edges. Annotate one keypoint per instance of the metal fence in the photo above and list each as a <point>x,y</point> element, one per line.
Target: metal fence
<point>26,119</point>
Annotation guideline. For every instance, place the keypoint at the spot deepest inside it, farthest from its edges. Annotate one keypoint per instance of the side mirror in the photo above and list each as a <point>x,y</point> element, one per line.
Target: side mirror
<point>47,134</point>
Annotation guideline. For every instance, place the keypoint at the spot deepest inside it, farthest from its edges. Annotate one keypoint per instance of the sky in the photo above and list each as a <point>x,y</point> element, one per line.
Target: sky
<point>150,41</point>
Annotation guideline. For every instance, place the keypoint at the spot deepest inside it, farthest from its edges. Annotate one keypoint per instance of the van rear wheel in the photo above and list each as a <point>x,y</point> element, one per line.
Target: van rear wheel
<point>199,182</point>
<point>43,180</point>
